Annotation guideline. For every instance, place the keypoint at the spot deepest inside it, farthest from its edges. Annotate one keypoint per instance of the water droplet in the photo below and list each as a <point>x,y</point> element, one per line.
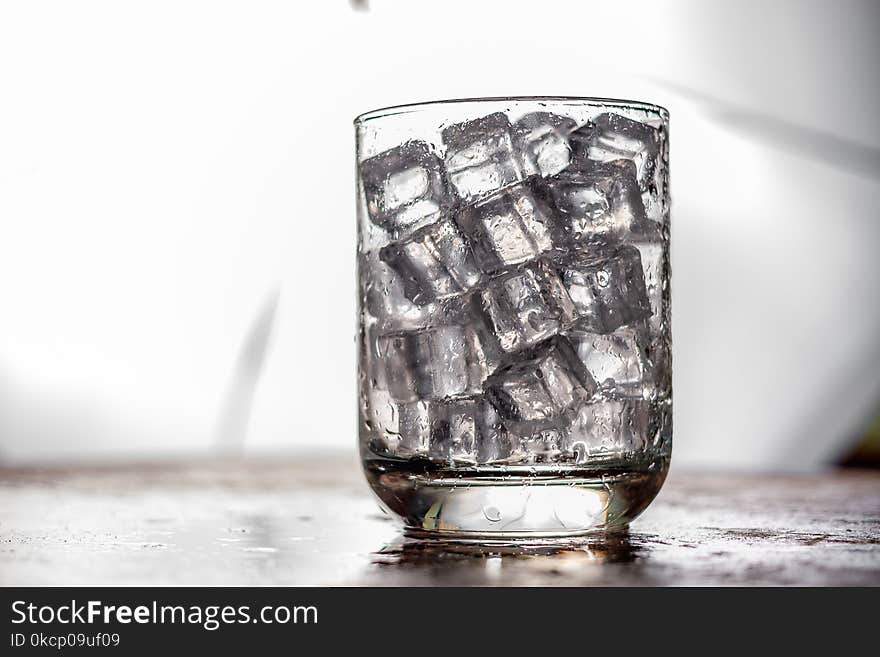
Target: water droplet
<point>492,513</point>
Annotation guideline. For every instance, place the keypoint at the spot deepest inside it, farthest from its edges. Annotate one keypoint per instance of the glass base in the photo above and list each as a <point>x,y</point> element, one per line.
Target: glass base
<point>513,502</point>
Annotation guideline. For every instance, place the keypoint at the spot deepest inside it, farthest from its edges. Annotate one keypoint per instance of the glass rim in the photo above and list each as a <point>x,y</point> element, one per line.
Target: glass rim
<point>408,108</point>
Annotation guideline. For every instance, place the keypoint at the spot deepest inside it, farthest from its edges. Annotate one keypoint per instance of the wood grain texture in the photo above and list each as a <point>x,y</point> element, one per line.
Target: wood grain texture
<point>313,522</point>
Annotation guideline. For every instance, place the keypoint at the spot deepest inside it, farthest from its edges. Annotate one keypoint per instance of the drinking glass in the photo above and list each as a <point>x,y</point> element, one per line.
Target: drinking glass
<point>514,346</point>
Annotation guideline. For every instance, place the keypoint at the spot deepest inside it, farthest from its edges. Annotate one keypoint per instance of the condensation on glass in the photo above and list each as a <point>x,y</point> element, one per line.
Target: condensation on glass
<point>514,313</point>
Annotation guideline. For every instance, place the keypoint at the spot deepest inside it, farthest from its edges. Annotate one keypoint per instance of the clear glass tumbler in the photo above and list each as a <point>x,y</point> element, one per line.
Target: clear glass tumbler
<point>514,314</point>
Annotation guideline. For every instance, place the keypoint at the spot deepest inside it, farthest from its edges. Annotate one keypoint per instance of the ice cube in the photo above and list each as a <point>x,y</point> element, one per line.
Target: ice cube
<point>455,426</point>
<point>376,417</point>
<point>382,291</point>
<point>464,430</point>
<point>599,205</point>
<point>542,139</point>
<point>413,428</point>
<point>609,428</point>
<point>608,291</point>
<point>655,264</point>
<point>654,257</point>
<point>541,446</point>
<point>508,228</point>
<point>542,390</point>
<point>399,429</point>
<point>432,363</point>
<point>495,444</point>
<point>524,307</point>
<point>612,137</point>
<point>617,361</point>
<point>404,187</point>
<point>480,156</point>
<point>434,263</point>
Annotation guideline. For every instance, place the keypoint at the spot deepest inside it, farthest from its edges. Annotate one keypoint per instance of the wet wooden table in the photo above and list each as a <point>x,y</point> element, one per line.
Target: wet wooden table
<point>312,521</point>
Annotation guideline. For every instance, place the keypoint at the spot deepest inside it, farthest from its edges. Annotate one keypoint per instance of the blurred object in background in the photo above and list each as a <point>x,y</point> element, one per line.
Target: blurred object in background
<point>235,413</point>
<point>163,167</point>
<point>866,453</point>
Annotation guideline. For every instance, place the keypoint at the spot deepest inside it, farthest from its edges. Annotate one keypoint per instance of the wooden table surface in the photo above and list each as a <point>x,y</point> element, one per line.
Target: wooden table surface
<point>313,522</point>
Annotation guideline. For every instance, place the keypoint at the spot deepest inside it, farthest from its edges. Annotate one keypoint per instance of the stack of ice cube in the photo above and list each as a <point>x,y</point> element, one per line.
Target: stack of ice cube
<point>513,313</point>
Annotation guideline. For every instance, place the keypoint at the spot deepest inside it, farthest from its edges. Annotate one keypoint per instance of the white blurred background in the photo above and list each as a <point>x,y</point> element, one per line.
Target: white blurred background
<point>177,209</point>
